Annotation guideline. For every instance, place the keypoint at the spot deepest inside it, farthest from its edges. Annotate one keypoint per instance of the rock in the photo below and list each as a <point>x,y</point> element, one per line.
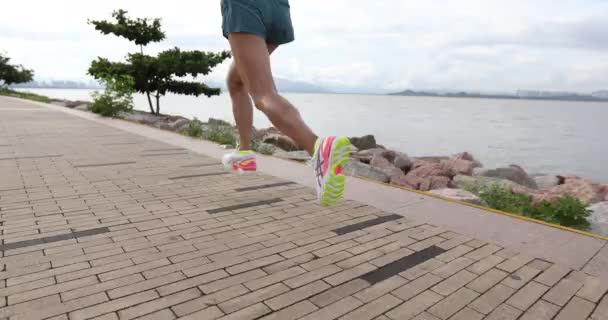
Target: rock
<point>179,124</point>
<point>457,194</point>
<point>454,167</point>
<point>463,156</point>
<point>364,143</point>
<point>403,162</point>
<point>434,182</point>
<point>513,173</point>
<point>58,102</point>
<point>378,161</point>
<point>431,159</point>
<point>475,183</point>
<point>407,181</point>
<point>359,169</point>
<point>367,155</point>
<point>585,190</point>
<point>547,182</point>
<point>282,142</point>
<point>599,218</point>
<point>82,107</point>
<point>301,156</point>
<point>428,170</point>
<point>183,126</point>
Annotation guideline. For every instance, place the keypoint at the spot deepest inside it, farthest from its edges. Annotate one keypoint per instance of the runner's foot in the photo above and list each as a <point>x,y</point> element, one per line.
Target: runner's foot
<point>242,161</point>
<point>331,155</point>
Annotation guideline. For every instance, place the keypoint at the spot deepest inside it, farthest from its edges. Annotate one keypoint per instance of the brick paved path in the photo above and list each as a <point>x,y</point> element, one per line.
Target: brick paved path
<point>102,224</point>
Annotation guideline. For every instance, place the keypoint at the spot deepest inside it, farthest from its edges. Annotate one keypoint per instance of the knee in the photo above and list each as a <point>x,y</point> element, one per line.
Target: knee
<point>234,83</point>
<point>263,101</point>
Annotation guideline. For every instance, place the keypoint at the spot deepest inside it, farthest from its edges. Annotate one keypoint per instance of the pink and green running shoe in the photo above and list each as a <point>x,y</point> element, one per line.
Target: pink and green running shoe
<point>331,155</point>
<point>242,161</point>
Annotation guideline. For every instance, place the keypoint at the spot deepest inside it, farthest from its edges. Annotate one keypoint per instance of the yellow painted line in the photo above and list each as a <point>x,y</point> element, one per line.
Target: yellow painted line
<point>512,215</point>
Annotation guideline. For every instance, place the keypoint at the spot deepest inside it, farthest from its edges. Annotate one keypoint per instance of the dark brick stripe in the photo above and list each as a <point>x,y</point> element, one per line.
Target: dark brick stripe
<point>245,205</point>
<point>104,164</point>
<point>403,264</point>
<point>199,175</point>
<point>61,237</point>
<point>33,157</point>
<point>366,224</point>
<point>265,186</point>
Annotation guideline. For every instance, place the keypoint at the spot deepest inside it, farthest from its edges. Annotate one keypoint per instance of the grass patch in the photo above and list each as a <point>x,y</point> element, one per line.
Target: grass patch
<point>24,95</point>
<point>566,211</point>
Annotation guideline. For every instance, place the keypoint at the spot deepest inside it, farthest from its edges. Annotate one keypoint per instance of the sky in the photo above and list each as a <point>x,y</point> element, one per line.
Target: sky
<point>348,45</point>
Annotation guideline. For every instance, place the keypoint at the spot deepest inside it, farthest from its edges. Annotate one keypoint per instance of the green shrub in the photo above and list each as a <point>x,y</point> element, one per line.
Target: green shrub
<point>566,211</point>
<point>195,129</point>
<point>221,134</point>
<point>117,97</point>
<point>262,148</point>
<point>24,95</point>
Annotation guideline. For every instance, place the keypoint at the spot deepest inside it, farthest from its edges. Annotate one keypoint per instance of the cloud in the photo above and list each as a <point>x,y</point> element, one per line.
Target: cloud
<point>346,45</point>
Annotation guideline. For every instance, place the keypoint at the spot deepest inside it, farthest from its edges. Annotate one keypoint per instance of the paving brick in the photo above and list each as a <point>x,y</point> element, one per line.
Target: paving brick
<point>515,263</point>
<point>246,300</point>
<point>483,252</point>
<point>206,301</point>
<point>370,245</point>
<point>334,310</point>
<point>422,269</point>
<point>380,289</point>
<point>338,293</point>
<point>453,303</point>
<point>454,282</point>
<point>453,242</point>
<point>297,295</point>
<point>504,312</point>
<point>252,312</point>
<point>374,308</point>
<point>49,290</point>
<point>165,314</point>
<point>487,280</point>
<point>113,305</point>
<point>305,249</point>
<point>100,287</point>
<point>194,271</point>
<point>454,253</point>
<point>27,286</point>
<point>286,264</point>
<point>359,259</point>
<point>562,292</point>
<point>93,271</point>
<point>13,281</point>
<point>270,251</point>
<point>133,269</point>
<point>295,311</point>
<point>57,308</point>
<point>485,264</point>
<point>417,286</point>
<point>274,278</point>
<point>391,257</point>
<point>541,310</point>
<point>198,263</point>
<point>230,281</point>
<point>159,304</point>
<point>527,295</point>
<point>414,306</point>
<point>492,299</point>
<point>327,260</point>
<point>335,248</point>
<point>540,264</point>
<point>191,282</point>
<point>312,276</point>
<point>452,267</point>
<point>422,316</point>
<point>520,277</point>
<point>476,243</point>
<point>467,314</point>
<point>593,288</point>
<point>601,311</point>
<point>424,244</point>
<point>144,285</point>
<point>210,313</point>
<point>349,274</point>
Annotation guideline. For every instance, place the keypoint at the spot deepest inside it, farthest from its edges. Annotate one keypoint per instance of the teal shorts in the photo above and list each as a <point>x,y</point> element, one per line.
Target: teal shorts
<point>269,19</point>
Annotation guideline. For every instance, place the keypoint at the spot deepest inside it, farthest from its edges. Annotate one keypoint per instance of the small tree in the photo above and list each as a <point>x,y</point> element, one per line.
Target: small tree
<point>117,96</point>
<point>155,75</point>
<point>12,74</point>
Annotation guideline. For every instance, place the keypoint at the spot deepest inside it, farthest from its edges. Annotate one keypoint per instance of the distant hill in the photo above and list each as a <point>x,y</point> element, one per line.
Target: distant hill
<point>521,94</point>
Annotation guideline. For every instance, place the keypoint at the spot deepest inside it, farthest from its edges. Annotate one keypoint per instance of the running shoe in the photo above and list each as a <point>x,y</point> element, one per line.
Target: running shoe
<point>331,155</point>
<point>242,161</point>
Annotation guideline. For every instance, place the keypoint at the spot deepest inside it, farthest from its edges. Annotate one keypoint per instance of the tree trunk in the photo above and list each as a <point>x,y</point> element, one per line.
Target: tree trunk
<point>150,102</point>
<point>157,104</point>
